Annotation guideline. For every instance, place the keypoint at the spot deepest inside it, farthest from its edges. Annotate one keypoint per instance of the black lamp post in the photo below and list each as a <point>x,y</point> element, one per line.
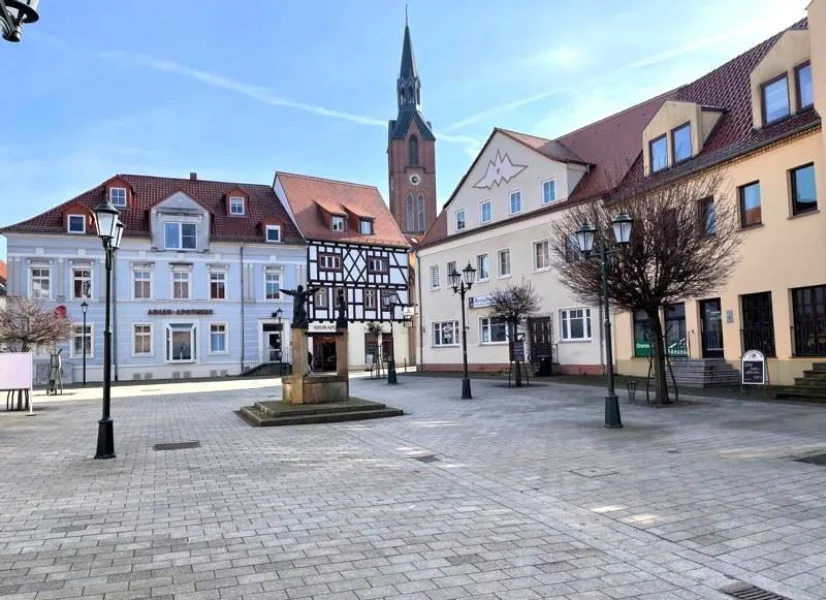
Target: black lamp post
<point>277,316</point>
<point>585,235</point>
<point>461,285</point>
<point>391,301</point>
<point>84,306</point>
<point>110,231</point>
<point>14,14</point>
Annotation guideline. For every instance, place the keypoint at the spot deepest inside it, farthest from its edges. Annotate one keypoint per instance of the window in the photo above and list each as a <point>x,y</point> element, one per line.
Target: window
<point>218,285</point>
<point>642,334</point>
<point>329,262</point>
<point>411,213</point>
<point>377,264</point>
<point>484,212</point>
<point>218,338</point>
<point>272,285</point>
<point>541,256</point>
<point>750,212</point>
<point>809,311</point>
<point>142,284</point>
<point>658,150</point>
<point>366,227</point>
<point>413,150</point>
<point>77,224</point>
<point>504,263</point>
<point>482,267</point>
<point>708,216</point>
<point>41,282</point>
<point>180,285</point>
<point>758,323</point>
<point>337,223</point>
<point>803,78</point>
<point>320,298</point>
<point>370,299</point>
<point>236,206</point>
<point>572,251</point>
<point>676,336</point>
<point>515,203</point>
<point>81,282</point>
<point>681,143</point>
<point>435,281</point>
<point>273,234</point>
<point>451,266</point>
<point>460,220</point>
<point>446,333</point>
<point>576,324</point>
<point>181,343</point>
<point>776,100</point>
<point>180,236</point>
<point>804,193</point>
<point>117,196</point>
<point>548,191</point>
<point>420,212</point>
<point>81,338</point>
<point>493,330</point>
<point>142,340</point>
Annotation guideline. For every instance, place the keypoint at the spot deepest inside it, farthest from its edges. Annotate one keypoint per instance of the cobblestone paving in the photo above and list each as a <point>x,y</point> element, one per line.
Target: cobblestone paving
<point>528,497</point>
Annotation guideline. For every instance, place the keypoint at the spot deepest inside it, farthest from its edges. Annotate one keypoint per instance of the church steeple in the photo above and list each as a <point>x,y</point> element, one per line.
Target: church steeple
<point>408,88</point>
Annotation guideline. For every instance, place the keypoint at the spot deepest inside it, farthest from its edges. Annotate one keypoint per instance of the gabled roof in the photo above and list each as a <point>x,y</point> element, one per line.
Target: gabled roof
<point>305,194</point>
<point>399,127</point>
<point>149,191</point>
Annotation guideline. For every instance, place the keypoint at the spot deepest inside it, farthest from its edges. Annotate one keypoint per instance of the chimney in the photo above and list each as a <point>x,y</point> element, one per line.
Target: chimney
<point>193,176</point>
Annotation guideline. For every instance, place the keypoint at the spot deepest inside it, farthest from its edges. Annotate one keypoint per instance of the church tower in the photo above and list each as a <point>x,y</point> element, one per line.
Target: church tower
<point>411,152</point>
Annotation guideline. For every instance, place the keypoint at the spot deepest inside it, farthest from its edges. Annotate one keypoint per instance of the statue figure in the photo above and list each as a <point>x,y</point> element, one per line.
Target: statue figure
<point>302,297</point>
<point>341,308</point>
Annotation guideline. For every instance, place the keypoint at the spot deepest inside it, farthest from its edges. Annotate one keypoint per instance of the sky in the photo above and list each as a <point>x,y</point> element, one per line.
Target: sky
<point>236,91</point>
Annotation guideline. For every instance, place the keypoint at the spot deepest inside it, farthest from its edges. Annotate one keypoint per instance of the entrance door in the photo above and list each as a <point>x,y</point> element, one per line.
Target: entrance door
<point>273,342</point>
<point>324,353</point>
<point>540,337</point>
<point>711,321</point>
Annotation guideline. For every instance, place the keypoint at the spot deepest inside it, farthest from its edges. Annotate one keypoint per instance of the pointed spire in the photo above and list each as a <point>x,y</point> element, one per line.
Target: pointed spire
<point>408,67</point>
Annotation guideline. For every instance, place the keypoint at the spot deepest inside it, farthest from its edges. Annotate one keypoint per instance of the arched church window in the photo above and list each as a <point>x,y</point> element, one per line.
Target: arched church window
<point>420,212</point>
<point>413,150</point>
<point>411,214</point>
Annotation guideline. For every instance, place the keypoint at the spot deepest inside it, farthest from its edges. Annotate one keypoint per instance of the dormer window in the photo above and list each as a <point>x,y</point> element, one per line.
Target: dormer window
<point>77,224</point>
<point>337,223</point>
<point>273,234</point>
<point>236,206</point>
<point>366,227</point>
<point>117,196</point>
<point>180,236</point>
<point>805,96</point>
<point>658,149</point>
<point>681,143</point>
<point>776,99</point>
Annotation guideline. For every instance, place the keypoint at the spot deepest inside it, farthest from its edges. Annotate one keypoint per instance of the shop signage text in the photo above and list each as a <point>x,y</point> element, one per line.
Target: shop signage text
<point>180,311</point>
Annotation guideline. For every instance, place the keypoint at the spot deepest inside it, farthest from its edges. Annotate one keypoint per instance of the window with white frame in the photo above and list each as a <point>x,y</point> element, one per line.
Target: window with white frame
<point>320,298</point>
<point>451,266</point>
<point>218,338</point>
<point>142,284</point>
<point>541,256</point>
<point>218,285</point>
<point>81,282</point>
<point>505,263</point>
<point>272,284</point>
<point>41,278</point>
<point>81,338</point>
<point>548,191</point>
<point>337,223</point>
<point>77,224</point>
<point>435,280</point>
<point>180,236</point>
<point>370,299</point>
<point>273,234</point>
<point>142,339</point>
<point>236,206</point>
<point>493,330</point>
<point>181,342</point>
<point>180,285</point>
<point>366,226</point>
<point>460,220</point>
<point>117,196</point>
<point>482,267</point>
<point>377,264</point>
<point>485,212</point>
<point>329,262</point>
<point>446,333</point>
<point>575,324</point>
<point>515,204</point>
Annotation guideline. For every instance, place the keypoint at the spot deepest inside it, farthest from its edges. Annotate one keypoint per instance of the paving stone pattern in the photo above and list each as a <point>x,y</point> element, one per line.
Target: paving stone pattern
<point>530,498</point>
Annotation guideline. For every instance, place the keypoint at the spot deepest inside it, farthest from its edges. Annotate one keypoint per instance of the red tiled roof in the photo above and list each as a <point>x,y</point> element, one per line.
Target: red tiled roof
<point>147,191</point>
<point>305,194</point>
<point>3,274</point>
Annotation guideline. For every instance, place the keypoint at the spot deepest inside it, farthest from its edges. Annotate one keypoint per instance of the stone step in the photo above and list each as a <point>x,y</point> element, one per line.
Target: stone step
<point>815,375</point>
<point>278,408</point>
<point>819,367</point>
<point>810,382</point>
<point>801,392</point>
<point>258,418</point>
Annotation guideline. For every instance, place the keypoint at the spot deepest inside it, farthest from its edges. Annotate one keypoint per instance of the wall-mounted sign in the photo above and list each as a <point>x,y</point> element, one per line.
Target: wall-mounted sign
<point>180,311</point>
<point>729,316</point>
<point>408,312</point>
<point>322,327</point>
<point>480,301</point>
<point>753,368</point>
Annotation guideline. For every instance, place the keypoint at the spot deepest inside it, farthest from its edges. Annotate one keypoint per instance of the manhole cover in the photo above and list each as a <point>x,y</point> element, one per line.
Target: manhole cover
<point>428,458</point>
<point>592,472</point>
<point>177,445</point>
<point>743,591</point>
<point>815,459</point>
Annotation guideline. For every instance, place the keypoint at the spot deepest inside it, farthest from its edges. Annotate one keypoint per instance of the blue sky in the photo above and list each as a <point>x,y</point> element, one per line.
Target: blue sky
<point>236,91</point>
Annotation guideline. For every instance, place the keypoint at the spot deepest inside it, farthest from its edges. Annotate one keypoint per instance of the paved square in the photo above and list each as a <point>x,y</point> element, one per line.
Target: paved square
<point>528,497</point>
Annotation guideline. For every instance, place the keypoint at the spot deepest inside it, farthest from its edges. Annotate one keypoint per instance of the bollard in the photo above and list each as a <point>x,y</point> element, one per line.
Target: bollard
<point>632,390</point>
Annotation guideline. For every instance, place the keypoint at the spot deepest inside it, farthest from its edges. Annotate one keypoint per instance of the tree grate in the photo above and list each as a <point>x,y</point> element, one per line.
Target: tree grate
<point>177,445</point>
<point>750,592</point>
<point>428,458</point>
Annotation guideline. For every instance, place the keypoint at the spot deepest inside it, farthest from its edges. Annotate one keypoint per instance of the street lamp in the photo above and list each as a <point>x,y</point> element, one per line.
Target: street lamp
<point>461,285</point>
<point>110,231</point>
<point>280,350</point>
<point>585,236</point>
<point>14,14</point>
<point>391,301</point>
<point>84,306</point>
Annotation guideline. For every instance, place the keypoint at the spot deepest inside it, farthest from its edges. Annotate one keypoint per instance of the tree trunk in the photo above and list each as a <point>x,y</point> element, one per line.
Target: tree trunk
<point>518,377</point>
<point>660,381</point>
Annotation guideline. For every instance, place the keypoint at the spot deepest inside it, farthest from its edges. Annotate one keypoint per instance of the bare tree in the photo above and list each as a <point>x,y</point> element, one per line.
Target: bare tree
<point>26,324</point>
<point>684,244</point>
<point>514,303</point>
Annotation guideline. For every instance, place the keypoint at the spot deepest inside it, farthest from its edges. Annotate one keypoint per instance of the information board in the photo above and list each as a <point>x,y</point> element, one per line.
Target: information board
<point>753,368</point>
<point>519,351</point>
<point>16,371</point>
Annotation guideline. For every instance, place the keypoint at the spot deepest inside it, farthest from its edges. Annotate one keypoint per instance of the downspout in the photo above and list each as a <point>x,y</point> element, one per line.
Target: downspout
<point>115,311</point>
<point>243,298</point>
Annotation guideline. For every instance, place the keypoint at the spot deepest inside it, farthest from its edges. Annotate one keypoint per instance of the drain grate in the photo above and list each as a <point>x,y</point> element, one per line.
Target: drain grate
<point>428,458</point>
<point>177,445</point>
<point>815,459</point>
<point>750,592</point>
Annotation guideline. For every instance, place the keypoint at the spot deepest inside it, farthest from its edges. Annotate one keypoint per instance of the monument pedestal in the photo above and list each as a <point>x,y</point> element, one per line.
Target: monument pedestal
<point>303,387</point>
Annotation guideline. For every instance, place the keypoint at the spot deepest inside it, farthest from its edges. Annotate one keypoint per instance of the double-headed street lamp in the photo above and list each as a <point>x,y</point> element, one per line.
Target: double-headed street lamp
<point>585,236</point>
<point>461,285</point>
<point>84,306</point>
<point>14,14</point>
<point>110,231</point>
<point>391,301</point>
